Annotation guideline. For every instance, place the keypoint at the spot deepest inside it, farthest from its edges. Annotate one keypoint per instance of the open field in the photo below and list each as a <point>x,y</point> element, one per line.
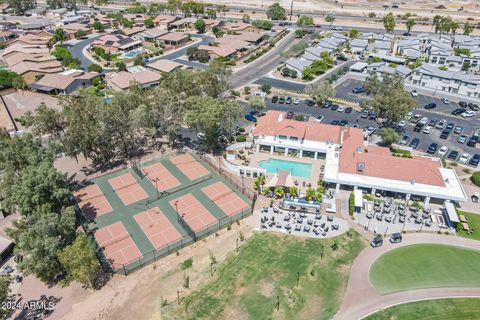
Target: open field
<point>458,309</point>
<point>247,284</point>
<point>425,266</point>
<point>473,223</point>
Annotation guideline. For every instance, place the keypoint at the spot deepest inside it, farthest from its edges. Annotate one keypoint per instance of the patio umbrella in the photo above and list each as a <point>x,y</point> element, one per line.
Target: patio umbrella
<point>282,178</point>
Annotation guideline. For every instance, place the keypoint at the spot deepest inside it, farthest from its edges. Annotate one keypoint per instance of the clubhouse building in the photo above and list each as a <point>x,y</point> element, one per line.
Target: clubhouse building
<point>350,162</point>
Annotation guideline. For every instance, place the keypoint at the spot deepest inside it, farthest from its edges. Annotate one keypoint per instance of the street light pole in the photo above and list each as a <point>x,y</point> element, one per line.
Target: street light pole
<point>176,210</point>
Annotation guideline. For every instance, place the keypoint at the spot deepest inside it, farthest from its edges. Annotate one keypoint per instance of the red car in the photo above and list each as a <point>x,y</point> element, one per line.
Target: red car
<point>290,115</point>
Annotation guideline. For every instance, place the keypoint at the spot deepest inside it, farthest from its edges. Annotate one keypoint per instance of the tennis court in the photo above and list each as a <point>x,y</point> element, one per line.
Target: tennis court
<point>117,245</point>
<point>225,198</point>
<point>193,212</point>
<point>160,177</point>
<point>190,167</point>
<point>157,227</point>
<point>92,201</point>
<point>128,189</point>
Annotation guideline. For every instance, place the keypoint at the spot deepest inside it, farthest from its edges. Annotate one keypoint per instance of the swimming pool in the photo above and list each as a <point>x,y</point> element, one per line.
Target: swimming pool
<point>298,169</point>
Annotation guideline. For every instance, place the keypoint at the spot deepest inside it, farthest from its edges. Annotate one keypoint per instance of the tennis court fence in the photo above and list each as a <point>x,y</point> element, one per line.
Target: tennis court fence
<point>188,239</point>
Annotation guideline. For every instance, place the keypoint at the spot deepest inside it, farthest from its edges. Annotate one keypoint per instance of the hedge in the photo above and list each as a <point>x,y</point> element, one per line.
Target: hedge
<point>351,204</point>
<point>476,178</point>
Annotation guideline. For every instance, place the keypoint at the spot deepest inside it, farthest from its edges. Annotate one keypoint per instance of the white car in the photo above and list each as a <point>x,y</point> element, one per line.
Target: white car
<point>424,120</point>
<point>443,151</point>
<point>402,124</point>
<point>427,130</point>
<point>468,114</point>
<point>445,100</point>
<point>296,101</point>
<point>341,109</point>
<point>414,93</point>
<point>409,115</point>
<point>441,124</point>
<point>369,130</point>
<point>319,119</point>
<point>464,158</point>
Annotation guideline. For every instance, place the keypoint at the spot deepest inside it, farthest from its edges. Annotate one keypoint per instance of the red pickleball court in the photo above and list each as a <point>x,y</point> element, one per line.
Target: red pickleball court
<point>117,245</point>
<point>92,201</point>
<point>225,198</point>
<point>189,166</point>
<point>128,189</point>
<point>195,214</point>
<point>157,227</point>
<point>160,177</point>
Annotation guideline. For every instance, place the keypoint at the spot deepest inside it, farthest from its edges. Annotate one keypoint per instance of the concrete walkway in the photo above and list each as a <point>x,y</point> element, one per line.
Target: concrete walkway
<point>361,298</point>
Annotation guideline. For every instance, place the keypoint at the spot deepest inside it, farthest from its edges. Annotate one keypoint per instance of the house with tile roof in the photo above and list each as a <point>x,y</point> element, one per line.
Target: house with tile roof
<point>350,161</point>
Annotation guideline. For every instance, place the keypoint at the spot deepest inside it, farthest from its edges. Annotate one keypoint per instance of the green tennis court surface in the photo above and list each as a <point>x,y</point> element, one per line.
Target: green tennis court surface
<point>157,208</point>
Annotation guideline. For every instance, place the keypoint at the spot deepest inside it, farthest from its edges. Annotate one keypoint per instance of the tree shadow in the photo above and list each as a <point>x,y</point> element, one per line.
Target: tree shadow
<point>37,309</point>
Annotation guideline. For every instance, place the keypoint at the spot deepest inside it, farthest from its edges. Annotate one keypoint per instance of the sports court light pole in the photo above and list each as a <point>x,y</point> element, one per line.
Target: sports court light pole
<point>156,188</point>
<point>176,210</point>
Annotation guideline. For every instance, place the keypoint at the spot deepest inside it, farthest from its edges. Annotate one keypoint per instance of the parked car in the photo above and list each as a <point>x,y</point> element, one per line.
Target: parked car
<point>462,139</point>
<point>414,143</point>
<point>281,100</point>
<point>423,121</point>
<point>414,93</point>
<point>473,106</point>
<point>404,140</point>
<point>335,107</point>
<point>370,130</point>
<point>453,155</point>
<point>334,122</point>
<point>472,142</point>
<point>296,101</point>
<point>402,124</point>
<point>475,197</point>
<point>341,109</point>
<point>358,90</point>
<point>463,104</point>
<point>464,158</point>
<point>396,237</point>
<point>288,100</point>
<point>427,130</point>
<point>432,148</point>
<point>377,241</point>
<point>373,115</point>
<point>274,99</point>
<point>343,123</point>
<point>458,111</point>
<point>441,124</point>
<point>458,130</point>
<point>310,102</point>
<point>432,123</point>
<point>348,110</point>
<point>474,160</point>
<point>319,119</point>
<point>250,117</point>
<point>290,115</point>
<point>442,151</point>
<point>445,100</point>
<point>365,114</point>
<point>450,126</point>
<point>431,105</point>
<point>418,127</point>
<point>468,114</point>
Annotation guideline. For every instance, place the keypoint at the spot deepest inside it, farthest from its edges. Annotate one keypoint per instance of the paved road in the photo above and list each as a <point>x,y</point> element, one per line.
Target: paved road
<point>362,299</point>
<point>77,51</point>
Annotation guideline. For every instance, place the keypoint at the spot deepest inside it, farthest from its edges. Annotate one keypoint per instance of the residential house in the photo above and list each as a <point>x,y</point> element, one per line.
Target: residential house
<point>382,47</point>
<point>141,76</point>
<point>175,39</point>
<point>64,83</point>
<point>130,32</point>
<point>164,66</point>
<point>115,43</point>
<point>383,67</point>
<point>232,42</point>
<point>461,83</point>
<point>298,64</point>
<point>250,37</point>
<point>185,23</point>
<point>6,36</point>
<point>71,29</point>
<point>221,51</point>
<point>150,35</point>
<point>163,21</point>
<point>234,27</point>
<point>438,52</point>
<point>358,46</point>
<point>212,23</point>
<point>137,18</point>
<point>35,38</point>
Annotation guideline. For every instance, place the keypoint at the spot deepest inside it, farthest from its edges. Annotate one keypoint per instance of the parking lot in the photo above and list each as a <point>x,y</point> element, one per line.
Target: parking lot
<point>303,224</point>
<point>442,112</point>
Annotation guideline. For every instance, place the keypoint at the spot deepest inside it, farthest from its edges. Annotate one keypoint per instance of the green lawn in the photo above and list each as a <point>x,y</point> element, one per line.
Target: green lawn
<point>425,266</point>
<point>473,223</point>
<point>247,284</point>
<point>458,309</point>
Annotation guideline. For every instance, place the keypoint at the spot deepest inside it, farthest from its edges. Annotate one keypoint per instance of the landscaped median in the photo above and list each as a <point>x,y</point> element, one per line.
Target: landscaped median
<point>425,266</point>
<point>439,309</point>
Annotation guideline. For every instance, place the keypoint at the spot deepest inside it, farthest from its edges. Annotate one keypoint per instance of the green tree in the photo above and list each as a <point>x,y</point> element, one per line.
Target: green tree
<point>279,192</point>
<point>276,12</point>
<point>468,28</point>
<point>257,103</point>
<point>97,25</point>
<point>80,33</point>
<point>210,116</point>
<point>211,13</point>
<point>305,21</point>
<point>409,24</point>
<point>44,121</point>
<point>149,23</point>
<point>139,61</point>
<point>20,6</point>
<point>293,191</point>
<point>462,51</point>
<point>94,68</point>
<point>320,91</point>
<point>263,24</point>
<point>9,79</point>
<point>80,261</point>
<point>60,35</point>
<point>121,66</point>
<point>374,85</point>
<point>310,194</point>
<point>353,33</point>
<point>5,296</point>
<point>265,87</point>
<point>475,178</point>
<point>389,22</point>
<point>389,136</point>
<point>200,25</point>
<point>329,18</point>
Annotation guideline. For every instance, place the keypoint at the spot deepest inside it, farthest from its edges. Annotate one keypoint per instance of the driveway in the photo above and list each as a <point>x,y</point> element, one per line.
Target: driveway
<point>361,298</point>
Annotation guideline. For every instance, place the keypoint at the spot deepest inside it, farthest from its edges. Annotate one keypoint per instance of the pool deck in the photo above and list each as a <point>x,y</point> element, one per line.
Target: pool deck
<point>256,157</point>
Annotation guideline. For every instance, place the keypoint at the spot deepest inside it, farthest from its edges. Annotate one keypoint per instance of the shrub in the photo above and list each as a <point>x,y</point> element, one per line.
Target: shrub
<point>241,129</point>
<point>186,264</point>
<point>351,204</point>
<point>240,138</point>
<point>247,90</point>
<point>475,178</point>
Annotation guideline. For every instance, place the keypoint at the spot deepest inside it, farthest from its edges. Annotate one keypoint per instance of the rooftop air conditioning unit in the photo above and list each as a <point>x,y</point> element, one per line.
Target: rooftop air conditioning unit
<point>360,167</point>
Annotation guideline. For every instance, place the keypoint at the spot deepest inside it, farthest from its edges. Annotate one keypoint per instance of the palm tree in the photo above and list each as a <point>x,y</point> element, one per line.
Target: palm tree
<point>410,23</point>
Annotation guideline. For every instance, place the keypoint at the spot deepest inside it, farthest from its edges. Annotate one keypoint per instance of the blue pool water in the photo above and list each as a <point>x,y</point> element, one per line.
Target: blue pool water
<point>298,169</point>
<point>108,100</point>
